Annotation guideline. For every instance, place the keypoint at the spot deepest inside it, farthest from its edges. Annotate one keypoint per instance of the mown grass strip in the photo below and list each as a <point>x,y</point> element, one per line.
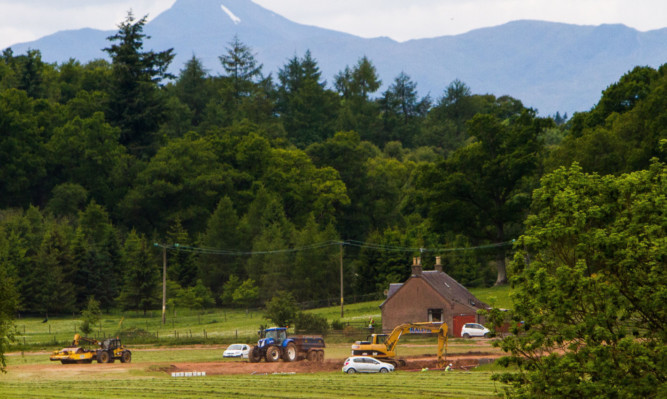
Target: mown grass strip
<point>321,385</point>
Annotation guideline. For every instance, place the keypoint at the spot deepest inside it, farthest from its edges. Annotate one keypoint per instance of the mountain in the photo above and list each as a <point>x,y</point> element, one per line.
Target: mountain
<point>548,66</point>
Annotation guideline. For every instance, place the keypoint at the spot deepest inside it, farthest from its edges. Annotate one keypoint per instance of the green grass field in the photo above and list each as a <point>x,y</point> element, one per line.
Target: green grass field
<point>215,326</point>
<point>224,326</point>
<point>400,384</point>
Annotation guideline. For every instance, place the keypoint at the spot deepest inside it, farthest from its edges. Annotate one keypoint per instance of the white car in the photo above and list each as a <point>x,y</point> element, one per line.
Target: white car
<point>366,364</point>
<point>237,350</point>
<point>474,330</point>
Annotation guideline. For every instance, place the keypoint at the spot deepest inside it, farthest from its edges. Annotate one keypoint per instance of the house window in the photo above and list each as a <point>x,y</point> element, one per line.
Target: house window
<point>435,315</point>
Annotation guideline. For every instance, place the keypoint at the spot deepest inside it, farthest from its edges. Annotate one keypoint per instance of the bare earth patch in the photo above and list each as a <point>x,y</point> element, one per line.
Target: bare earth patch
<point>57,371</point>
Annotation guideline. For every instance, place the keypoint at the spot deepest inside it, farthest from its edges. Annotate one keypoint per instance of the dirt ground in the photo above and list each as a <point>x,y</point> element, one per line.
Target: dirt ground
<point>58,371</point>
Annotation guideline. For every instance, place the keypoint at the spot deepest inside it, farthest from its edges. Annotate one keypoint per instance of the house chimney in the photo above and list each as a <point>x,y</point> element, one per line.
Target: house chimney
<point>438,265</point>
<point>416,266</point>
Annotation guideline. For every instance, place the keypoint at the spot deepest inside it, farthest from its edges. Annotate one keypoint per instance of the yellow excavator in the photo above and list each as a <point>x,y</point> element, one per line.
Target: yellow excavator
<point>382,346</point>
<point>107,351</point>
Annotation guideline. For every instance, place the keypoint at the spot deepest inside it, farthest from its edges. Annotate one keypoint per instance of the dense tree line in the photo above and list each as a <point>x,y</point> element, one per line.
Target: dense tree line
<point>102,160</point>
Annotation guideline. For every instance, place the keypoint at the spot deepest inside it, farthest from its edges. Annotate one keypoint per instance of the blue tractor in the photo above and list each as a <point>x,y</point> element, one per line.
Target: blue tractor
<point>274,345</point>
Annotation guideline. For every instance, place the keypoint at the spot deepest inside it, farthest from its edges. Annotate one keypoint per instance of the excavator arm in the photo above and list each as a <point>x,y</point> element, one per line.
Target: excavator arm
<point>419,328</point>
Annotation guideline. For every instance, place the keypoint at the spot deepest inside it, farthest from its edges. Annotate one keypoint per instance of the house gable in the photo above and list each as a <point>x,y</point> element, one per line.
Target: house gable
<point>425,295</point>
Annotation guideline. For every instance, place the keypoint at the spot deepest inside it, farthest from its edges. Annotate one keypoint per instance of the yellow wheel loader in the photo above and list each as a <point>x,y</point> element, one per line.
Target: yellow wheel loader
<point>383,346</point>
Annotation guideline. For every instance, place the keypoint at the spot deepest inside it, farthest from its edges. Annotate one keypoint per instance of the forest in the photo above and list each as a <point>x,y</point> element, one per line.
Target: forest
<point>253,183</point>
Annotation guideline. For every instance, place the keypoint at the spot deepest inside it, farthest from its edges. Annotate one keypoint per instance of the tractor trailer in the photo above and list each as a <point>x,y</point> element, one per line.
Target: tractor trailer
<point>274,344</point>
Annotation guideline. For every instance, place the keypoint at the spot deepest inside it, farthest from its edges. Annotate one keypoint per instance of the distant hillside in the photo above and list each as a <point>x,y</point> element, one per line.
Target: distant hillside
<point>549,66</point>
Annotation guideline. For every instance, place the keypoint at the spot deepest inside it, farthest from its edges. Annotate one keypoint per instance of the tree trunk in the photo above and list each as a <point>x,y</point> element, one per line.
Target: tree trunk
<point>502,268</point>
<point>500,257</point>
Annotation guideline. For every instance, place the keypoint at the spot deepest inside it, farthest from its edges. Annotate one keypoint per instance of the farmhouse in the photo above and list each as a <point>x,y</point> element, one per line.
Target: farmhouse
<point>430,295</point>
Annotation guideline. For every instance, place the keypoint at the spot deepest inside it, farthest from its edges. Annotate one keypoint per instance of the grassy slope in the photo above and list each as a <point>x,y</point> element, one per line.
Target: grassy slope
<point>220,325</point>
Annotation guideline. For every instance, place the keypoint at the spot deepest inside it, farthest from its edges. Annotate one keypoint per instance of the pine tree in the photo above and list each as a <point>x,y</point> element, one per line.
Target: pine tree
<point>135,104</point>
<point>141,289</point>
<point>306,107</point>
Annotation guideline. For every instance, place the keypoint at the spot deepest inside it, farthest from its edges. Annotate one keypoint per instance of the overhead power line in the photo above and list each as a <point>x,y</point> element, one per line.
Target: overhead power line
<point>324,244</point>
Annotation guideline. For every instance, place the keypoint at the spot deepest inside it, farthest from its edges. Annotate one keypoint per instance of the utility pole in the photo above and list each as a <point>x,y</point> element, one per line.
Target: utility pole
<point>164,280</point>
<point>164,283</point>
<point>341,280</point>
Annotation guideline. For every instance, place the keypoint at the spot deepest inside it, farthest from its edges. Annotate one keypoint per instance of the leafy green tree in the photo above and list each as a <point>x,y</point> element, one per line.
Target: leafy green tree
<point>141,281</point>
<point>86,152</point>
<point>135,104</point>
<point>67,200</point>
<point>21,148</point>
<point>281,309</point>
<point>90,316</point>
<point>346,153</point>
<point>9,303</point>
<point>303,188</point>
<point>483,189</point>
<point>387,182</point>
<point>310,323</point>
<point>184,180</point>
<point>227,296</point>
<point>622,132</point>
<point>196,297</point>
<point>619,98</point>
<point>246,294</point>
<point>590,288</point>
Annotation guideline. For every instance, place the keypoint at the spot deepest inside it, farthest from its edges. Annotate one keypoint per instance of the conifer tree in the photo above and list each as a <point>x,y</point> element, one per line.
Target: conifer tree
<point>135,104</point>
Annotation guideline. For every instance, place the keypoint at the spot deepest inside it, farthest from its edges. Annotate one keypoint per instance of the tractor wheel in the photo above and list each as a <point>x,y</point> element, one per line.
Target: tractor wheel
<point>272,354</point>
<point>255,355</point>
<point>103,357</point>
<point>289,355</point>
<point>126,357</point>
<point>320,356</point>
<point>311,356</point>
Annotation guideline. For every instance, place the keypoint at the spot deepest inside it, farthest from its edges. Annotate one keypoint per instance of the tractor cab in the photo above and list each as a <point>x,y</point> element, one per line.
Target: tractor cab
<point>277,334</point>
<point>111,344</point>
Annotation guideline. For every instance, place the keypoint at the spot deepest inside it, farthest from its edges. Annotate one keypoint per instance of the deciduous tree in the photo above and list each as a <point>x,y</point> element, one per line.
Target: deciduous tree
<point>590,288</point>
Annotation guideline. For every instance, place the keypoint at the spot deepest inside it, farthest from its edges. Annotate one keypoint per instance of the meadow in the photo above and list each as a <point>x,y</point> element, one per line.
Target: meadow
<point>400,384</point>
<point>31,374</point>
<point>186,326</point>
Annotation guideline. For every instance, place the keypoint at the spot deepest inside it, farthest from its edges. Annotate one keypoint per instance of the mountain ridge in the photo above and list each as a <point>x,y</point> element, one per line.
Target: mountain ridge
<point>549,66</point>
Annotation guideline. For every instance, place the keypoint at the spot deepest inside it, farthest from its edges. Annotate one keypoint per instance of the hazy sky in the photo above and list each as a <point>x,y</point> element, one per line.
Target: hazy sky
<point>26,20</point>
